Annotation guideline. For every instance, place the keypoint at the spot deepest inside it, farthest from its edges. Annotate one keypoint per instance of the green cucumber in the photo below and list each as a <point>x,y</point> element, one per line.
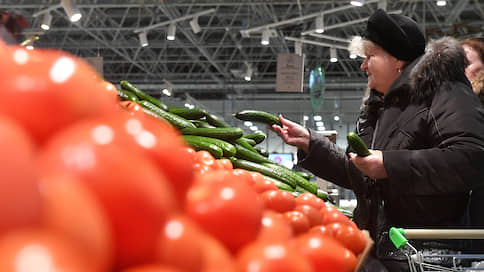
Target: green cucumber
<point>273,173</point>
<point>243,142</point>
<point>227,148</point>
<point>215,121</point>
<point>142,95</point>
<point>262,151</point>
<point>280,184</point>
<point>250,141</point>
<point>201,124</point>
<point>127,95</point>
<point>246,154</point>
<point>300,181</point>
<point>198,145</point>
<point>355,142</point>
<point>258,116</point>
<point>304,175</point>
<point>173,119</point>
<point>258,136</point>
<point>219,133</point>
<point>189,114</point>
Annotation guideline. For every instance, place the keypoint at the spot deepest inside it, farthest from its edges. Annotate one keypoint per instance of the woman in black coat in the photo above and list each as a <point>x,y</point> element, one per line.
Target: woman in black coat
<point>425,130</point>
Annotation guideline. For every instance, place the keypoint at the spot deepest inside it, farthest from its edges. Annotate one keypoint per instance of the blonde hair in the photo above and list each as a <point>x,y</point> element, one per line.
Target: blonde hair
<point>478,85</point>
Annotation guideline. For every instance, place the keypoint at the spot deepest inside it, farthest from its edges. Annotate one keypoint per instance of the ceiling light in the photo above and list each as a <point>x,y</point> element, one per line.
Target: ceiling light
<point>195,26</point>
<point>353,56</point>
<point>171,32</point>
<point>265,37</point>
<point>143,39</point>
<point>248,123</point>
<point>317,118</point>
<point>298,48</point>
<point>357,3</point>
<point>305,117</point>
<point>166,92</point>
<point>321,128</point>
<point>333,55</point>
<point>71,10</point>
<point>253,128</point>
<point>441,3</point>
<point>248,74</point>
<point>382,4</point>
<point>319,24</point>
<point>320,123</point>
<point>336,118</point>
<point>46,21</point>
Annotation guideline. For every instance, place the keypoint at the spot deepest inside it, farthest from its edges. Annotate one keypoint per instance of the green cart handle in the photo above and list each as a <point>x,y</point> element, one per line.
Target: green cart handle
<point>397,235</point>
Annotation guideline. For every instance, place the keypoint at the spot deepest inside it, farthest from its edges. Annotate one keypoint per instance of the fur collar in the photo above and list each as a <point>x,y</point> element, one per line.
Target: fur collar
<point>444,61</point>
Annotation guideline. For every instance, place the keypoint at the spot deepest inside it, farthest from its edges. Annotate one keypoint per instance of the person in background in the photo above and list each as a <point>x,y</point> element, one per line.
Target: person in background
<point>425,131</point>
<point>474,49</point>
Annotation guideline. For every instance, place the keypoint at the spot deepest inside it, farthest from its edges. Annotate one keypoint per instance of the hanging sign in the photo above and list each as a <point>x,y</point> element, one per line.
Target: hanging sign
<point>290,72</point>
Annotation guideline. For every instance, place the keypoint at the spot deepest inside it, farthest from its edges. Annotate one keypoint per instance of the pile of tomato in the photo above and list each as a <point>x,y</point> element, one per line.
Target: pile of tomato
<point>89,186</point>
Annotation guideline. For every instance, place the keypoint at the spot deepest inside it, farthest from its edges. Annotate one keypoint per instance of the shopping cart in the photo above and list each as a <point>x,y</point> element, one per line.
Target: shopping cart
<point>419,261</point>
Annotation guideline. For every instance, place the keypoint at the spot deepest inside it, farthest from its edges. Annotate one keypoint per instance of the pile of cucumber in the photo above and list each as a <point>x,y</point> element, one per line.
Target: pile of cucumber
<point>205,131</point>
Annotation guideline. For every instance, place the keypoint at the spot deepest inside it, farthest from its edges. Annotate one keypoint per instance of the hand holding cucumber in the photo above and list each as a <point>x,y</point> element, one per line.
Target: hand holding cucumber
<point>371,165</point>
<point>292,134</point>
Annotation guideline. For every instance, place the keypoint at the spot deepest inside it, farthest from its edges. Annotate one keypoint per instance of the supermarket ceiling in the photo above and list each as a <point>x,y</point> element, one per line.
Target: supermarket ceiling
<point>212,60</point>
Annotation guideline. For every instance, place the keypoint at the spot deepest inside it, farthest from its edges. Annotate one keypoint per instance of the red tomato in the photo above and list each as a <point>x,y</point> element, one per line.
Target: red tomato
<point>109,87</point>
<point>311,213</point>
<point>325,253</point>
<point>278,256</point>
<point>279,201</point>
<point>37,250</point>
<point>157,141</point>
<point>320,230</point>
<point>223,164</point>
<point>274,227</point>
<point>87,227</point>
<point>330,214</point>
<point>136,197</point>
<point>46,90</point>
<point>180,244</point>
<point>261,184</point>
<point>311,200</point>
<point>20,199</point>
<point>350,237</point>
<point>132,107</point>
<point>216,258</point>
<point>230,210</point>
<point>245,176</point>
<point>204,157</point>
<point>151,268</point>
<point>298,221</point>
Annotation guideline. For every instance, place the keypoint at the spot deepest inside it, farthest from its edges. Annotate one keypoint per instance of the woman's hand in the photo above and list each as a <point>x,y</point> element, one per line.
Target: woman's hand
<point>292,134</point>
<point>371,165</point>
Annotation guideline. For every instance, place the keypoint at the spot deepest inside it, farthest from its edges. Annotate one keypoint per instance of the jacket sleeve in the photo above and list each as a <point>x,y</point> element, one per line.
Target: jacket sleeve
<point>454,163</point>
<point>326,160</point>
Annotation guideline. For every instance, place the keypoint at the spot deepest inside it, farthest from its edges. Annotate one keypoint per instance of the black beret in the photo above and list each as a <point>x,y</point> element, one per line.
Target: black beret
<point>397,34</point>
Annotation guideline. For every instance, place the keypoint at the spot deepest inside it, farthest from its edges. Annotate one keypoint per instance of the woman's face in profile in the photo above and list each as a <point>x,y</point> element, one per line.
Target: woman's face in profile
<point>475,63</point>
<point>380,67</point>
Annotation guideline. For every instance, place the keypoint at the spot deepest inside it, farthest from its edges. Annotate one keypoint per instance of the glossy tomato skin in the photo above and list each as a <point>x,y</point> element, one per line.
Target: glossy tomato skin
<point>276,256</point>
<point>261,184</point>
<point>152,268</point>
<point>223,206</point>
<point>180,244</point>
<point>311,213</point>
<point>46,90</point>
<point>216,257</point>
<point>87,228</point>
<point>135,196</point>
<point>330,214</point>
<point>298,221</point>
<point>38,250</point>
<point>279,201</point>
<point>20,198</point>
<point>349,236</point>
<point>311,200</point>
<point>159,142</point>
<point>325,253</point>
<point>274,227</point>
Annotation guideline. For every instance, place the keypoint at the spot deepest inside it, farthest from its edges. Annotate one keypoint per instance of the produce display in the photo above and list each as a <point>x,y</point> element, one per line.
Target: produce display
<point>99,179</point>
